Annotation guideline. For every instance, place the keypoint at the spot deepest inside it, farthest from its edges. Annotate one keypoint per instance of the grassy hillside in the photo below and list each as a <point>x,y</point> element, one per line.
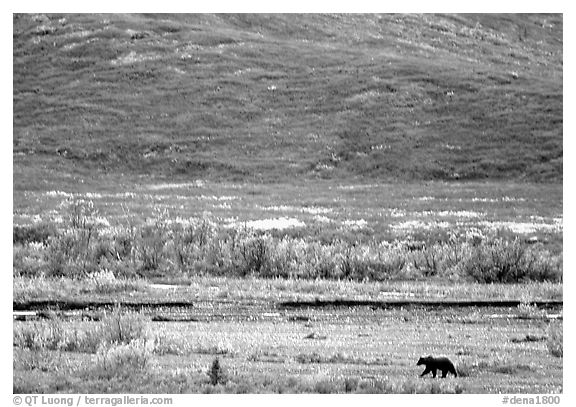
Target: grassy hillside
<point>275,97</point>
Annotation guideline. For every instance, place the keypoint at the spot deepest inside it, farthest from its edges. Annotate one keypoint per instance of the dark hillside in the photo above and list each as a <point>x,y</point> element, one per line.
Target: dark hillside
<point>273,97</point>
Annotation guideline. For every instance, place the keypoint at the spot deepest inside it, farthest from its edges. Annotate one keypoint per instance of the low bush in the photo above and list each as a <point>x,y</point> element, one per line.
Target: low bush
<point>526,310</point>
<point>216,373</point>
<point>410,386</point>
<point>464,370</point>
<point>122,327</point>
<point>150,247</point>
<point>513,261</point>
<point>555,340</point>
<point>37,359</point>
<point>256,257</point>
<point>29,260</point>
<point>351,384</point>
<point>327,386</point>
<point>48,335</point>
<point>116,328</point>
<point>105,282</point>
<point>122,359</point>
<point>337,358</point>
<point>163,247</point>
<point>171,344</point>
<point>36,233</point>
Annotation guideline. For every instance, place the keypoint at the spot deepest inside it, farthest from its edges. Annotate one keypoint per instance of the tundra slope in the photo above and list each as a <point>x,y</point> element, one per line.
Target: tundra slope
<point>274,97</point>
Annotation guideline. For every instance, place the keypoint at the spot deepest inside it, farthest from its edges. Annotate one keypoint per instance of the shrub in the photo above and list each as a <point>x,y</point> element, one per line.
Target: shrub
<point>338,357</point>
<point>38,233</point>
<point>319,261</point>
<point>216,349</point>
<point>510,369</point>
<point>528,338</point>
<point>326,386</point>
<point>122,328</point>
<point>389,265</point>
<point>123,244</point>
<point>511,262</point>
<point>435,388</point>
<point>105,282</point>
<point>428,261</point>
<point>59,251</point>
<point>122,360</point>
<point>28,261</point>
<point>102,251</point>
<point>216,373</point>
<point>71,254</point>
<point>116,328</point>
<point>375,386</point>
<point>464,370</point>
<point>529,311</point>
<point>255,256</point>
<point>310,358</point>
<point>351,384</point>
<point>150,247</point>
<point>410,386</point>
<point>37,359</point>
<point>555,339</point>
<point>51,335</point>
<point>545,267</point>
<point>151,241</point>
<point>81,213</point>
<point>171,344</point>
<point>40,335</point>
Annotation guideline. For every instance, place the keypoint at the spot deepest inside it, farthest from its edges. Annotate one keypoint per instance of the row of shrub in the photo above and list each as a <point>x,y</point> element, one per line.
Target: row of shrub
<point>162,247</point>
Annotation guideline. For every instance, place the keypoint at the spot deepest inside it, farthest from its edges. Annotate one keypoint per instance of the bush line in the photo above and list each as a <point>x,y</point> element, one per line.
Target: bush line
<point>162,247</point>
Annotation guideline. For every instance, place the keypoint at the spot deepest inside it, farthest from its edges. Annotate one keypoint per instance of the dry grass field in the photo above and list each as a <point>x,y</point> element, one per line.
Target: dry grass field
<point>337,350</point>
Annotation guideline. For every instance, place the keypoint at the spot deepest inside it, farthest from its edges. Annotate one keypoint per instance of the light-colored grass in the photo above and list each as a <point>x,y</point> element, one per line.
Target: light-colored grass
<point>210,288</point>
<point>96,286</point>
<point>327,208</point>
